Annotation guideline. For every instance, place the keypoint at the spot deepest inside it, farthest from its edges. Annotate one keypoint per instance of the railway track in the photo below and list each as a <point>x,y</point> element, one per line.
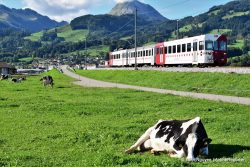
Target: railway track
<point>237,70</point>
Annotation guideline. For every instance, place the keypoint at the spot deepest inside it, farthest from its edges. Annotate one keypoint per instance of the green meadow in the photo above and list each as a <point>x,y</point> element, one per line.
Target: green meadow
<point>215,83</point>
<point>75,126</point>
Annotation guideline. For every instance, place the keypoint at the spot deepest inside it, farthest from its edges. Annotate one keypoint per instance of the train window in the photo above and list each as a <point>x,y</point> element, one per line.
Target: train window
<point>223,45</point>
<point>195,46</point>
<point>144,53</point>
<point>174,49</point>
<point>178,48</point>
<point>209,45</point>
<point>157,51</point>
<point>201,45</point>
<point>216,45</point>
<point>166,50</point>
<point>141,53</point>
<point>189,47</point>
<point>161,50</point>
<point>149,52</point>
<point>169,49</point>
<point>183,48</point>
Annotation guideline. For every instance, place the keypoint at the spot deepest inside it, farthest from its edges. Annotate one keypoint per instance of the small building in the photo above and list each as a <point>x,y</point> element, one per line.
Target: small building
<point>6,69</point>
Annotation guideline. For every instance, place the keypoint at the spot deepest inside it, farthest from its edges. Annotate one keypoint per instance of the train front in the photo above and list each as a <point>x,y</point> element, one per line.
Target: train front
<point>220,50</point>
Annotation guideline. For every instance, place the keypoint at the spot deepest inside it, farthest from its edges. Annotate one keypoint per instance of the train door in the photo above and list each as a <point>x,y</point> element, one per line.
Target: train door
<point>127,57</point>
<point>195,52</point>
<point>160,54</point>
<point>110,63</point>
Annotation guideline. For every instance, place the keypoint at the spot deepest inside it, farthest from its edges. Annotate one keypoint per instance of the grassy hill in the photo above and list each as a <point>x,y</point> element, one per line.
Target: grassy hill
<point>64,32</point>
<point>76,126</point>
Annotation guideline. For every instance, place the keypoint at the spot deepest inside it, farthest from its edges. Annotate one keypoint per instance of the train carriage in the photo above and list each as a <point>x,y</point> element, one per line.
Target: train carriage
<point>208,49</point>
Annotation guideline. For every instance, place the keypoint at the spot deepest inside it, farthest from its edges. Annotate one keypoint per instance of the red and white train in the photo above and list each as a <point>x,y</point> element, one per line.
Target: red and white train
<point>208,49</point>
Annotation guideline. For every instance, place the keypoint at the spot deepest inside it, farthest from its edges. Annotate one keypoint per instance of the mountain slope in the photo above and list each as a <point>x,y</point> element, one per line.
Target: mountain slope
<point>145,11</point>
<point>26,19</point>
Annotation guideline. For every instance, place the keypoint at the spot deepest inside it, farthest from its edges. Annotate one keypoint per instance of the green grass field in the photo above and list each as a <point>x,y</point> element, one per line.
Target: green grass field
<point>235,14</point>
<point>239,44</point>
<point>215,83</point>
<point>35,36</point>
<point>72,35</point>
<point>75,126</point>
<point>65,32</point>
<point>220,31</point>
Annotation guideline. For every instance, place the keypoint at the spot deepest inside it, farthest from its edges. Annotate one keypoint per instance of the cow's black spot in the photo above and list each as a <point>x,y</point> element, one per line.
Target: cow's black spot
<point>174,129</point>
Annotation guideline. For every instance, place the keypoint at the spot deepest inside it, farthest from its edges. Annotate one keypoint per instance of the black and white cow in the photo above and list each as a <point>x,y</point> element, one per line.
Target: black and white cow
<point>185,138</point>
<point>47,80</point>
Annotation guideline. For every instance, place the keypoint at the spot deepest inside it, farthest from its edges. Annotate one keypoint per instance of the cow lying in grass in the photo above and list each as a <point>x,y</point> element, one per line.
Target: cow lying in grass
<point>179,138</point>
<point>47,80</point>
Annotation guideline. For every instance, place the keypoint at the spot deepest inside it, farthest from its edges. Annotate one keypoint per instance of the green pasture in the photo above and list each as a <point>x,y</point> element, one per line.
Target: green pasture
<point>235,14</point>
<point>75,126</point>
<point>35,36</point>
<point>72,35</point>
<point>220,31</point>
<point>26,59</point>
<point>215,12</point>
<point>215,83</point>
<point>239,44</point>
<point>65,32</point>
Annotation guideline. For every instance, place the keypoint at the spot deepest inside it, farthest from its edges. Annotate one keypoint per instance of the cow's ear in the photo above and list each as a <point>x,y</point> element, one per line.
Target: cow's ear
<point>207,141</point>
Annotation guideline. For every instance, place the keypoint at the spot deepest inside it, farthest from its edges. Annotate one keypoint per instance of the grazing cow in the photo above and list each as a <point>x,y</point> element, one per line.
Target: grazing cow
<point>179,138</point>
<point>47,80</point>
<point>18,80</point>
<point>3,77</point>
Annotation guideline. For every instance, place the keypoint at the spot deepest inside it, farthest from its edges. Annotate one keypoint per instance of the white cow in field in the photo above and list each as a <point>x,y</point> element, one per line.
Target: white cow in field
<point>180,138</point>
<point>47,80</point>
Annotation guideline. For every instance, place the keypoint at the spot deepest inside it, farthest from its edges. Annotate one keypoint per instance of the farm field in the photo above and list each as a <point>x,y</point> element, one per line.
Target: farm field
<point>215,83</point>
<point>76,126</point>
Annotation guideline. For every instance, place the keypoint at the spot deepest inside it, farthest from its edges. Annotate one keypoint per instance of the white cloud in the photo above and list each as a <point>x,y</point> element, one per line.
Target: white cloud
<point>61,9</point>
<point>121,1</point>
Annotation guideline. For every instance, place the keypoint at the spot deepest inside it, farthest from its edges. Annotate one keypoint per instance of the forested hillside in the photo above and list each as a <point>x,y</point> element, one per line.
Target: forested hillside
<point>106,32</point>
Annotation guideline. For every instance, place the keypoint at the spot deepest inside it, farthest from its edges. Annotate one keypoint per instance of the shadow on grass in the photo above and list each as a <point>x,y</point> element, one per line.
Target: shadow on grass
<point>225,150</point>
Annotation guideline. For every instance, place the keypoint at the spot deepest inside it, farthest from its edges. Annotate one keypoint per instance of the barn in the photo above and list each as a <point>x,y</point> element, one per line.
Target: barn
<point>7,68</point>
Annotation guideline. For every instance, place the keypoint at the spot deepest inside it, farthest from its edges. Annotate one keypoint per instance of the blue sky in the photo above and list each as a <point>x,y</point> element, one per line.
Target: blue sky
<point>69,9</point>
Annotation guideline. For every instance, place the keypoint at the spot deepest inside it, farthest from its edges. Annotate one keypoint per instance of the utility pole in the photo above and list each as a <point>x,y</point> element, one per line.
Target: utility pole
<point>85,62</point>
<point>136,39</point>
<point>85,59</point>
<point>177,33</point>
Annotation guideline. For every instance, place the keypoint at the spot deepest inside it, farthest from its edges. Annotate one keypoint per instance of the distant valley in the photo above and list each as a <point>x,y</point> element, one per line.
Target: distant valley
<point>110,31</point>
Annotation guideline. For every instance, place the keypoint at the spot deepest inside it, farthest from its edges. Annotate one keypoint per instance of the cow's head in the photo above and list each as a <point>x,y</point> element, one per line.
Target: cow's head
<point>201,147</point>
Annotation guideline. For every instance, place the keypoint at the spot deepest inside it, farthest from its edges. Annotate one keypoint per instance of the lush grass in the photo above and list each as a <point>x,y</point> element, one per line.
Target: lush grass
<point>235,14</point>
<point>35,36</point>
<point>239,44</point>
<point>26,59</point>
<point>72,35</point>
<point>215,12</point>
<point>74,126</point>
<point>220,31</point>
<point>65,32</point>
<point>216,83</point>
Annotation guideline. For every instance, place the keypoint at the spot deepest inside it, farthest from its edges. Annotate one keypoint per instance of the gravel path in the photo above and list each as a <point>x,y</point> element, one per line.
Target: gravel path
<point>87,82</point>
